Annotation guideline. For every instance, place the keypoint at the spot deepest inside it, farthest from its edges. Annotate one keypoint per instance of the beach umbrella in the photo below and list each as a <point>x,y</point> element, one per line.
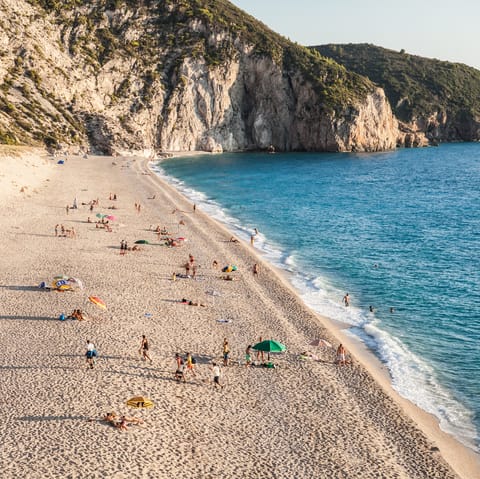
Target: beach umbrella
<point>111,217</point>
<point>61,284</point>
<point>142,242</point>
<point>321,342</point>
<point>100,215</point>
<point>65,283</point>
<point>140,402</point>
<point>97,301</point>
<point>270,346</point>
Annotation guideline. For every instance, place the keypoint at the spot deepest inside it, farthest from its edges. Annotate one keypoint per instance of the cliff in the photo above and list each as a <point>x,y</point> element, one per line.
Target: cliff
<point>175,75</point>
<point>433,100</point>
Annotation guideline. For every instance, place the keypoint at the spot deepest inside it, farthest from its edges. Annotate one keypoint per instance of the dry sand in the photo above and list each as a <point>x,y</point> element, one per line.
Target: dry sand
<point>304,419</point>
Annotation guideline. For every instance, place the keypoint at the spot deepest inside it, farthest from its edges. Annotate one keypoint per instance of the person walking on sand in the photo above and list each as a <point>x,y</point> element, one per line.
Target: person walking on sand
<point>90,354</point>
<point>216,376</point>
<point>346,300</point>
<point>67,209</point>
<point>190,364</point>
<point>144,347</point>
<point>180,371</point>
<point>226,352</point>
<point>56,229</point>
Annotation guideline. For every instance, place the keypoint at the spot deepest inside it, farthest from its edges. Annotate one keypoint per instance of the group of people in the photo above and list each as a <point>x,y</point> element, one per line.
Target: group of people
<point>61,231</point>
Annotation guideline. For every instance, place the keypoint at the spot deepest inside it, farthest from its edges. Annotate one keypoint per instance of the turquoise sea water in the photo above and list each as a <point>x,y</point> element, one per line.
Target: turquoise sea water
<point>396,230</point>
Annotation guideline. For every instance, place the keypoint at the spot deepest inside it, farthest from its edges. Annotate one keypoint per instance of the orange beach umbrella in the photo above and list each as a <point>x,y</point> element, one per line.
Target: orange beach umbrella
<point>97,301</point>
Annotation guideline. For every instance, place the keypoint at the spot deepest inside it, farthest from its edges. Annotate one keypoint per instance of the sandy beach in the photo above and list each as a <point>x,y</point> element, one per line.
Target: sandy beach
<point>306,418</point>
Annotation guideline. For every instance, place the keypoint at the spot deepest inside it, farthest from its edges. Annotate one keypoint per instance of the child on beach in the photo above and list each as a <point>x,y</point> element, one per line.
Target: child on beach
<point>91,354</point>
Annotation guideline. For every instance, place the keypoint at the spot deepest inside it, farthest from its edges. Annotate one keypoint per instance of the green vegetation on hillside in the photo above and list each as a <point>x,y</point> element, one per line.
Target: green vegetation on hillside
<point>415,86</point>
<point>209,29</point>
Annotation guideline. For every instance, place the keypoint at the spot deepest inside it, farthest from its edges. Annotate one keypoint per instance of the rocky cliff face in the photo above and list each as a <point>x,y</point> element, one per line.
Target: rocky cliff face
<point>434,100</point>
<point>117,77</point>
<point>250,103</point>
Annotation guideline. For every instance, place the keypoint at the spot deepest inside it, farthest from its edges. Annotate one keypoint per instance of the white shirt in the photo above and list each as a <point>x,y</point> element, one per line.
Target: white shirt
<point>90,347</point>
<point>216,371</point>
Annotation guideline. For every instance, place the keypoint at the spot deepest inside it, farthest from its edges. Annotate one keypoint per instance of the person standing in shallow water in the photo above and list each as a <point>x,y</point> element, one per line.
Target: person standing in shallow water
<point>346,300</point>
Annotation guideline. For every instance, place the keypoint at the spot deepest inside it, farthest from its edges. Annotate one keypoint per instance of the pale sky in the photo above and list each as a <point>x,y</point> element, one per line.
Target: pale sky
<point>442,29</point>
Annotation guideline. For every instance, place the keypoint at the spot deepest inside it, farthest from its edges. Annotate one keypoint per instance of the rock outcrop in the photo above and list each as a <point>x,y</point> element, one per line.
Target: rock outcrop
<point>434,101</point>
<point>175,76</point>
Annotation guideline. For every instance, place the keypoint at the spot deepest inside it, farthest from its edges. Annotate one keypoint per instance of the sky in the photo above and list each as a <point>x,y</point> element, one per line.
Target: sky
<point>443,29</point>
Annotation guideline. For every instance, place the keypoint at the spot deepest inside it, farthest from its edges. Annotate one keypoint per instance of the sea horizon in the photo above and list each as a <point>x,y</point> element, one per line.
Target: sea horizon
<point>380,208</point>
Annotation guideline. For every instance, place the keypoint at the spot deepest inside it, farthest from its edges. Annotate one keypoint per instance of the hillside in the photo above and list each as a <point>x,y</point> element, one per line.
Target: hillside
<point>175,75</point>
<point>439,98</point>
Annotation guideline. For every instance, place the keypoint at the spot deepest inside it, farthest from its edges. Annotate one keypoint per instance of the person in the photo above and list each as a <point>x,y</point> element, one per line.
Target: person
<point>255,269</point>
<point>90,354</point>
<point>180,371</point>
<point>122,424</point>
<point>248,356</point>
<point>371,309</point>
<point>144,347</point>
<point>194,271</point>
<point>110,417</point>
<point>190,364</point>
<point>341,355</point>
<point>346,300</point>
<point>392,310</point>
<point>67,208</point>
<point>216,376</point>
<point>226,352</point>
<point>234,240</point>
<point>255,231</point>
<point>215,264</point>
<point>194,207</point>
<point>252,240</point>
<point>260,355</point>
<point>56,230</point>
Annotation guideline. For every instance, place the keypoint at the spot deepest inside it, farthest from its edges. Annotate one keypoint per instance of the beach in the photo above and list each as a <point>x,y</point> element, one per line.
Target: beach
<point>307,417</point>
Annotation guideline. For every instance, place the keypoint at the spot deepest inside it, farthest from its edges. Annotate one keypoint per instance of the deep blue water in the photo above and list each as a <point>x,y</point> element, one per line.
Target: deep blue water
<point>396,230</point>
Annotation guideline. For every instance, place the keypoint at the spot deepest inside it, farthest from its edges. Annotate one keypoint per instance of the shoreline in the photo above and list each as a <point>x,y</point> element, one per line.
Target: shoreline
<point>303,419</point>
<point>463,459</point>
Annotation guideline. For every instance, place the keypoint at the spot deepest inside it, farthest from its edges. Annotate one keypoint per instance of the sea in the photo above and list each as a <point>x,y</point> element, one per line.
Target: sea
<point>399,231</point>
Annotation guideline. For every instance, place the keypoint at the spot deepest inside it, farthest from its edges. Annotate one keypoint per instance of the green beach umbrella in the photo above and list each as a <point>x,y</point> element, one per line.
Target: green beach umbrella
<point>270,346</point>
<point>142,242</point>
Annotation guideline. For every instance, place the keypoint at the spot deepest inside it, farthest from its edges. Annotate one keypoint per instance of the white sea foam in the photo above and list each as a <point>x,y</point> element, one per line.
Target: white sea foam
<point>412,377</point>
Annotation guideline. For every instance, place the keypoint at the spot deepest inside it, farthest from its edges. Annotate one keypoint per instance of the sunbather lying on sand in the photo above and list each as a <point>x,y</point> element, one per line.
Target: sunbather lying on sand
<point>127,421</point>
<point>192,303</point>
<point>227,277</point>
